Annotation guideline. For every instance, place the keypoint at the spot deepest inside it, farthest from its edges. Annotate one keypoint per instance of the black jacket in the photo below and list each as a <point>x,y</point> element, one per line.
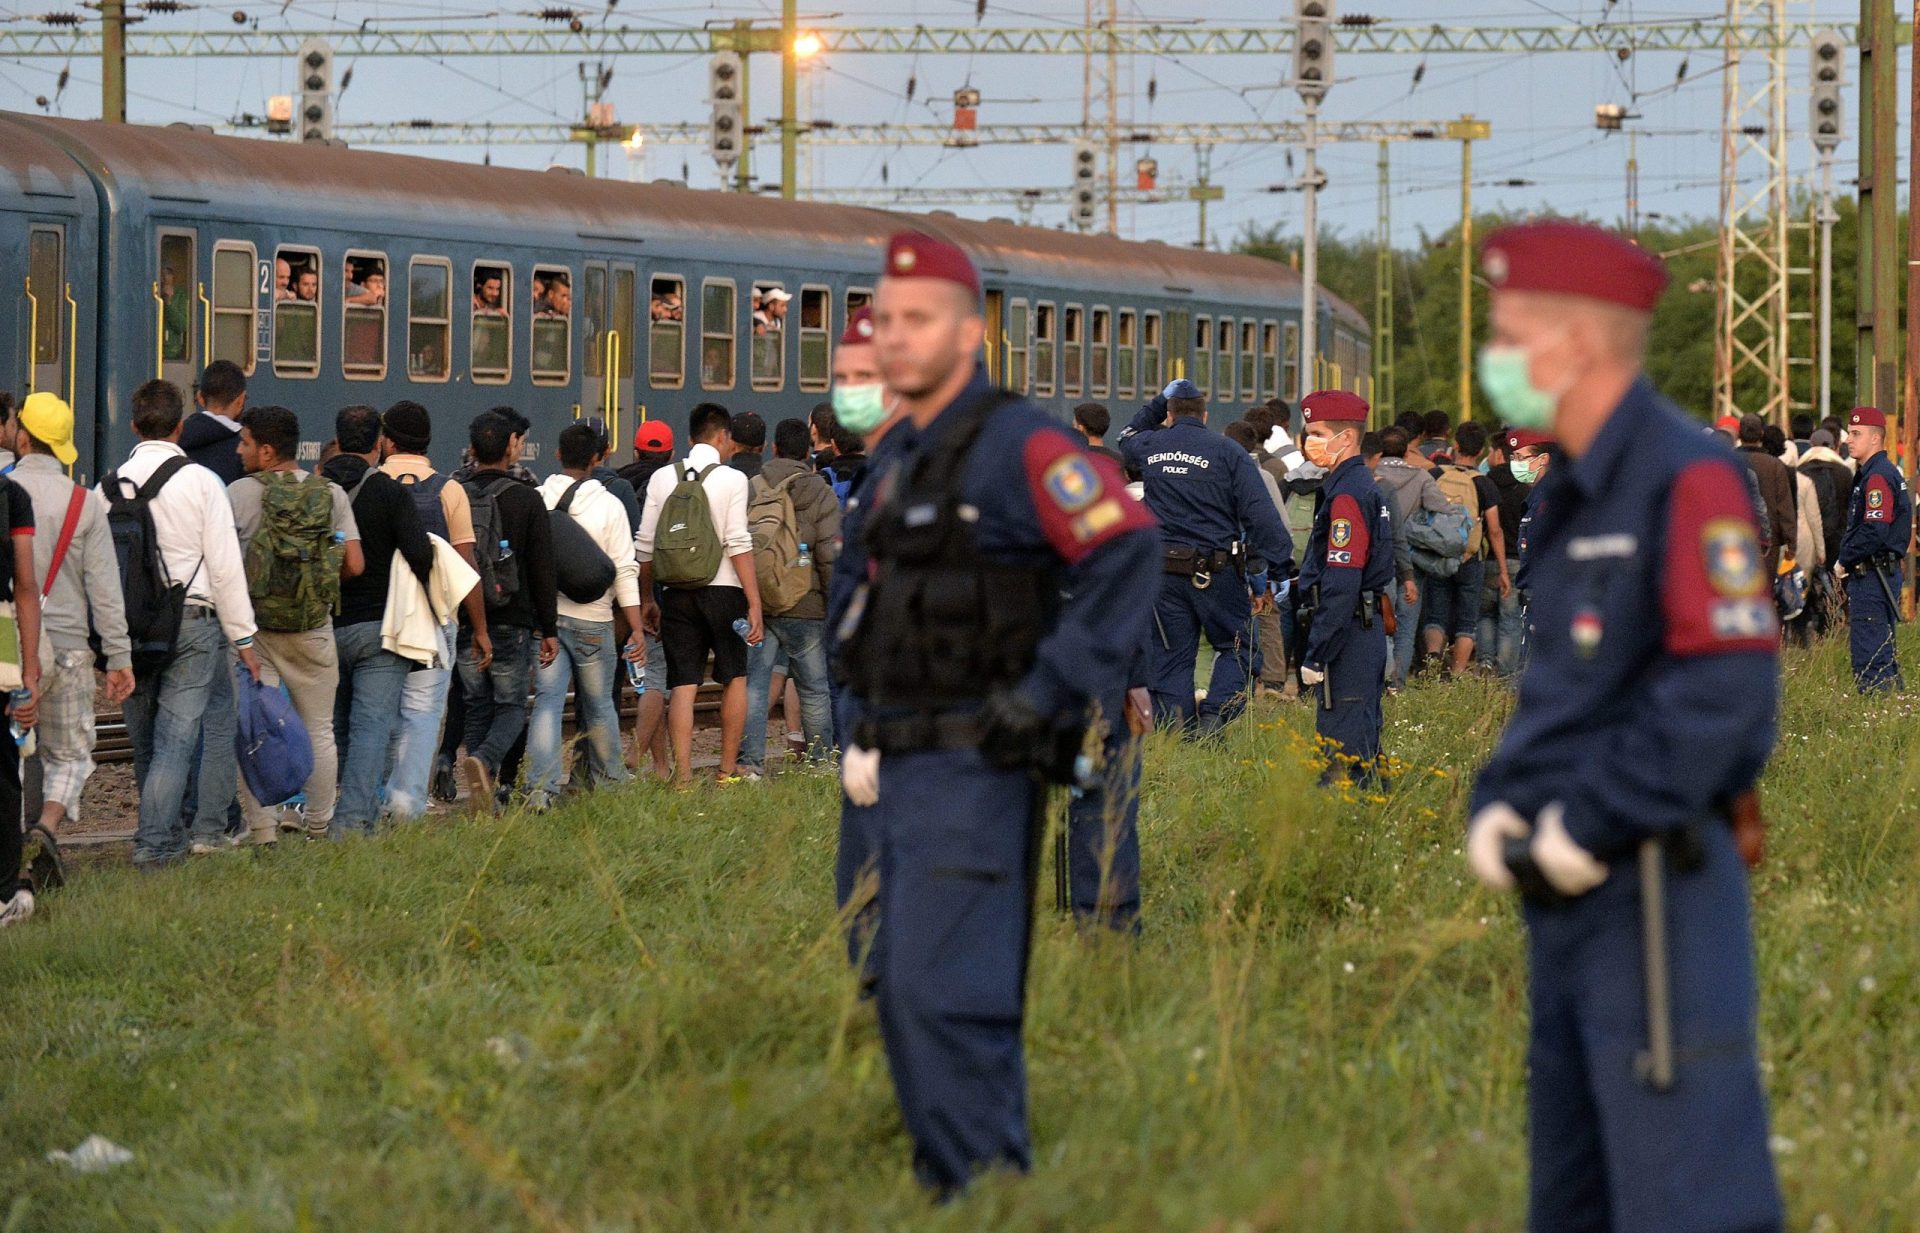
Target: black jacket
<point>528,531</point>
<point>748,464</point>
<point>389,522</point>
<point>212,444</point>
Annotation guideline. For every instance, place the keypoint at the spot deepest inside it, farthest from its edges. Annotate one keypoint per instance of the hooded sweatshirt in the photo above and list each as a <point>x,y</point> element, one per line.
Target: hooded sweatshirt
<point>1407,489</point>
<point>212,440</point>
<point>1832,481</point>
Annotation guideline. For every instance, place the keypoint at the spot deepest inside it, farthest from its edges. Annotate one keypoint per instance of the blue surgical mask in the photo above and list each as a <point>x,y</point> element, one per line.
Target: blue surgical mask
<point>860,408</point>
<point>1506,380</point>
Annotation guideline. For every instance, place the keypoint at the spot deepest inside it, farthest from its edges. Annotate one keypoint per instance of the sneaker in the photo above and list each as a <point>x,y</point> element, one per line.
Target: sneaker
<point>479,785</point>
<point>45,870</point>
<point>226,843</point>
<point>17,909</point>
<point>443,786</point>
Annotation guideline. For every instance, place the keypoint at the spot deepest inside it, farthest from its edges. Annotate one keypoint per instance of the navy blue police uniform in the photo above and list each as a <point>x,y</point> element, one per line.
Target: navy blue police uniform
<point>1647,711</point>
<point>1347,568</point>
<point>1523,540</point>
<point>1103,818</point>
<point>1207,495</point>
<point>1873,551</point>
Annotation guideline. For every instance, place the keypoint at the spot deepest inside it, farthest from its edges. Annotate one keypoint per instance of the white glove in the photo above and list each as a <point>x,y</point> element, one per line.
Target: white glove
<point>1571,869</point>
<point>860,775</point>
<point>1839,573</point>
<point>1487,837</point>
<point>1311,676</point>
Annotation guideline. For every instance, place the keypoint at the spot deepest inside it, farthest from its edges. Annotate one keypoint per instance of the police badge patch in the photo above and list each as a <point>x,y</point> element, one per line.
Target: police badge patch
<point>1341,533</point>
<point>1072,484</point>
<point>1732,554</point>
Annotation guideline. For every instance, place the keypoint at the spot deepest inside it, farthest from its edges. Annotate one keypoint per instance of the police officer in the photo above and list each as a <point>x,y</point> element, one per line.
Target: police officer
<point>1213,509</point>
<point>974,678</point>
<point>1647,711</point>
<point>1531,452</point>
<point>1879,520</point>
<point>1347,571</point>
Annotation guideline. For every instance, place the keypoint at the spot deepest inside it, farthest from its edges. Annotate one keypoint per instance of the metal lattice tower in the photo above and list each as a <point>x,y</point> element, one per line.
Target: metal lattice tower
<point>1751,356</point>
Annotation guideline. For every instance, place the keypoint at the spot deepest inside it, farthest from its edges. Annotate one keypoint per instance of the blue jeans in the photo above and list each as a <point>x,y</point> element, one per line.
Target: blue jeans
<point>587,661</point>
<point>801,640</point>
<point>163,722</point>
<point>497,697</point>
<point>365,711</point>
<point>215,780</point>
<point>1407,616</point>
<point>1499,645</point>
<point>423,704</point>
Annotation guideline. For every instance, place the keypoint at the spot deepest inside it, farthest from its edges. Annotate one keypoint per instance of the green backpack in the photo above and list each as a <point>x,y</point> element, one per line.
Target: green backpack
<point>686,546</point>
<point>293,563</point>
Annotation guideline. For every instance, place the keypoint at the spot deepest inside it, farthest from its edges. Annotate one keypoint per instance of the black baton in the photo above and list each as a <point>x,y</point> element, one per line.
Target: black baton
<point>1886,589</point>
<point>1655,1065</point>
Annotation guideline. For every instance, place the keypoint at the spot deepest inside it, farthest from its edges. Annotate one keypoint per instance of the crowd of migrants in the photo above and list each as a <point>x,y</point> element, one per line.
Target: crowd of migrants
<point>993,603</point>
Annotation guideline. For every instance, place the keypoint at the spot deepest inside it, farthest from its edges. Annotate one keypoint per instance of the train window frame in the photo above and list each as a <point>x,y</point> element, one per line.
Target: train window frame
<point>1290,361</point>
<point>731,336</point>
<point>1073,338</point>
<point>1270,358</point>
<point>596,320</point>
<point>1202,338</point>
<point>301,370</point>
<point>1017,345</point>
<point>365,372</point>
<point>49,314</point>
<point>819,337</point>
<point>476,374</point>
<point>777,380</point>
<point>1048,312</point>
<point>443,324</point>
<point>853,305</point>
<point>1152,343</point>
<point>535,318</point>
<point>1223,355</point>
<point>677,379</point>
<point>251,310</point>
<point>1249,360</point>
<point>1126,351</point>
<point>1099,351</point>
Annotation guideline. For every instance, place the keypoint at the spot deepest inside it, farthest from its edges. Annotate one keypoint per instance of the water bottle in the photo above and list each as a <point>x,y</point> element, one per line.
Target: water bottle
<point>23,738</point>
<point>506,551</point>
<point>805,559</point>
<point>637,677</point>
<point>740,626</point>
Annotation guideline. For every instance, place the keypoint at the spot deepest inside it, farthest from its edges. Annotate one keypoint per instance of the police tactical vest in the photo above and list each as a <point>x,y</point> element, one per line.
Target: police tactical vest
<point>941,626</point>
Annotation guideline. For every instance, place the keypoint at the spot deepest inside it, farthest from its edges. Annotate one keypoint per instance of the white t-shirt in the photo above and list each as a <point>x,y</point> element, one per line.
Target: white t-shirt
<point>726,497</point>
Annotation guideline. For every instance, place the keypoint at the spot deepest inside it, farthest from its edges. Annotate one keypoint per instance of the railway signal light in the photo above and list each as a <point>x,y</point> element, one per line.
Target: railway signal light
<point>726,127</point>
<point>1312,48</point>
<point>315,66</point>
<point>1085,166</point>
<point>1829,61</point>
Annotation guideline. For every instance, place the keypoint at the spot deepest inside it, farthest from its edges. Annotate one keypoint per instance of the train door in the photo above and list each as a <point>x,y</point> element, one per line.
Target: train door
<point>995,351</point>
<point>176,294</point>
<point>51,313</point>
<point>607,387</point>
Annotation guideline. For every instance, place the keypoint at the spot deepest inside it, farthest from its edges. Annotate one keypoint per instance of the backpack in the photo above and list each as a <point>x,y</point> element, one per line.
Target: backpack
<point>1439,539</point>
<point>293,563</point>
<point>775,526</point>
<point>842,488</point>
<point>1456,485</point>
<point>154,601</point>
<point>269,741</point>
<point>686,548</point>
<point>499,568</point>
<point>426,502</point>
<point>581,568</point>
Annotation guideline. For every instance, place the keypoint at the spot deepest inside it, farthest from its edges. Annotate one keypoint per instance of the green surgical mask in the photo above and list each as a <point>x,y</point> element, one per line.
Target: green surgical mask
<point>859,408</point>
<point>1505,380</point>
<point>1524,470</point>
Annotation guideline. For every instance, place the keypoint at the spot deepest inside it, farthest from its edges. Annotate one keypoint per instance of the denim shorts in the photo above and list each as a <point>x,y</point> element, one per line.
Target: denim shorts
<point>1453,604</point>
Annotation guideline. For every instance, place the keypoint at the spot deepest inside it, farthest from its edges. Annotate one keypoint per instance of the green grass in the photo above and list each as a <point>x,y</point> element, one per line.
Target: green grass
<point>634,1013</point>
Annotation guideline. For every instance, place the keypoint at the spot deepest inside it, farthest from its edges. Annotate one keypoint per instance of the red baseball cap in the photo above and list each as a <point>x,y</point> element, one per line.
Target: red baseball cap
<point>1867,417</point>
<point>1521,438</point>
<point>653,436</point>
<point>1729,424</point>
<point>1333,407</point>
<point>913,254</point>
<point>859,328</point>
<point>1566,258</point>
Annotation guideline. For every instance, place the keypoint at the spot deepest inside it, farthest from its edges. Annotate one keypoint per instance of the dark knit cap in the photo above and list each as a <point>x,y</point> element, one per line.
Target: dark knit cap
<point>407,425</point>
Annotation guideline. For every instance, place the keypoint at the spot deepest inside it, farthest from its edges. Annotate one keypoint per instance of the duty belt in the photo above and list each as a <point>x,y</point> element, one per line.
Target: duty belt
<point>1200,564</point>
<point>921,732</point>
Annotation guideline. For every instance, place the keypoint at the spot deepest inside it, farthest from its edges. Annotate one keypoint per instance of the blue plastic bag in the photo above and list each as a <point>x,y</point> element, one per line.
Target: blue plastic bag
<point>275,753</point>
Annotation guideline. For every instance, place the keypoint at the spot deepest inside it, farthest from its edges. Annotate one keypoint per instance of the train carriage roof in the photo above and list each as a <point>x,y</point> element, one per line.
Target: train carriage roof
<point>376,190</point>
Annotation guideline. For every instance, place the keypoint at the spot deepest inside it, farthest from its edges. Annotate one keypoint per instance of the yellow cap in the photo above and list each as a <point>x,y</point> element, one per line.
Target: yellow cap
<point>50,420</point>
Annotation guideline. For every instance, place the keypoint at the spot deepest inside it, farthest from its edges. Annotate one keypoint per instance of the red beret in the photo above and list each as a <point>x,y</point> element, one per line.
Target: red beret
<point>1867,417</point>
<point>653,436</point>
<point>859,327</point>
<point>1521,438</point>
<point>911,254</point>
<point>1333,407</point>
<point>1574,259</point>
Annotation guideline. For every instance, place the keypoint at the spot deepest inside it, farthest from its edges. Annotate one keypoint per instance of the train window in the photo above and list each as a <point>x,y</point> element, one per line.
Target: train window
<point>1291,363</point>
<point>47,286</point>
<point>296,312</point>
<point>175,299</point>
<point>858,298</point>
<point>490,324</point>
<point>1270,359</point>
<point>1150,353</point>
<point>1017,325</point>
<point>1072,343</point>
<point>1202,374</point>
<point>667,333</point>
<point>593,320</point>
<point>1100,358</point>
<point>1123,369</point>
<point>622,319</point>
<point>363,316</point>
<point>816,355</point>
<point>429,319</point>
<point>234,304</point>
<point>550,354</point>
<point>1045,334</point>
<point>1223,360</point>
<point>1249,361</point>
<point>769,350</point>
<point>717,326</point>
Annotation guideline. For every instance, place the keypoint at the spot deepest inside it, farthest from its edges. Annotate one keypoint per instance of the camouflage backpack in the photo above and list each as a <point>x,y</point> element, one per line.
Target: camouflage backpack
<point>293,563</point>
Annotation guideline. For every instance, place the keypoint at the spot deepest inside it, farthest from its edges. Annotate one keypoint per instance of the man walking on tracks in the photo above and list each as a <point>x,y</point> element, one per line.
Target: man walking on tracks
<point>1643,720</point>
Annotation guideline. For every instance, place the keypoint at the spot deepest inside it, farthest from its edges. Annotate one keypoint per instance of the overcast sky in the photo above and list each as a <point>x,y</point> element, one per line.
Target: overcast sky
<point>1541,106</point>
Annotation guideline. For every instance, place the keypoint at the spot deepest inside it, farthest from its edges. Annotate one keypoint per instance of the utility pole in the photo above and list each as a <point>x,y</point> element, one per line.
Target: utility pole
<point>1203,190</point>
<point>1383,301</point>
<point>789,99</point>
<point>1312,77</point>
<point>113,61</point>
<point>1467,130</point>
<point>1828,64</point>
<point>1910,414</point>
<point>1877,304</point>
<point>743,170</point>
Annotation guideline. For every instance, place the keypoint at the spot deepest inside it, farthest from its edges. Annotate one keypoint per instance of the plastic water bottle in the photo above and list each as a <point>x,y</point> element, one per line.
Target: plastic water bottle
<point>740,626</point>
<point>637,677</point>
<point>23,738</point>
<point>506,551</point>
<point>805,559</point>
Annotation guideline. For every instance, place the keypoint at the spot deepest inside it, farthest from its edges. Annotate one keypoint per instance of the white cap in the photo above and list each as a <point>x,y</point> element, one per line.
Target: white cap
<point>776,293</point>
